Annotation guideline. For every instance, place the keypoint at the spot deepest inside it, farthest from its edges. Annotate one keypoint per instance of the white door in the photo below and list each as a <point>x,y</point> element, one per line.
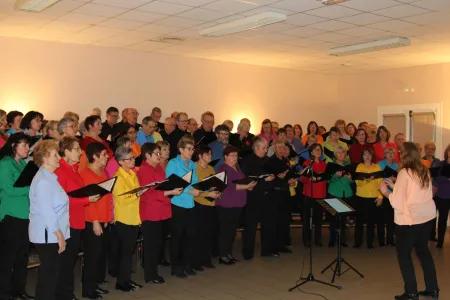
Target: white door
<point>420,123</point>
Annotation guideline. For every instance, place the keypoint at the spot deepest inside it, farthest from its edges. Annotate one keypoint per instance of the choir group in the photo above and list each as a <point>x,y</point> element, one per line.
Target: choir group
<point>280,171</point>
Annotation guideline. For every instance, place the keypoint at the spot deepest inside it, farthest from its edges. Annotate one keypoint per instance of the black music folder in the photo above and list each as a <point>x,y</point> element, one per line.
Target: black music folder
<point>175,182</point>
<point>216,182</point>
<point>101,188</point>
<point>27,175</point>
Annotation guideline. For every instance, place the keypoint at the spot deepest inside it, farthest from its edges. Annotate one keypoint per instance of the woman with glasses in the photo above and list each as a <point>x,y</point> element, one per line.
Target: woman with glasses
<point>126,216</point>
<point>154,210</point>
<point>183,221</point>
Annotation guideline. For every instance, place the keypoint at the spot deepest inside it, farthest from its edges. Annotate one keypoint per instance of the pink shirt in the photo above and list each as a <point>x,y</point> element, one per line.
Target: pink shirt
<point>412,203</point>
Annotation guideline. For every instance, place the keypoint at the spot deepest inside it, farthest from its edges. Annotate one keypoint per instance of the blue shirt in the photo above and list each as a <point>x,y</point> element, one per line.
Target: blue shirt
<point>49,209</point>
<point>217,152</point>
<point>142,138</point>
<point>383,164</point>
<point>180,167</point>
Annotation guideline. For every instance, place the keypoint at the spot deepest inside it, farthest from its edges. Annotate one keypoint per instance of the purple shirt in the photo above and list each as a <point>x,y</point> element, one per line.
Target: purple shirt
<point>232,197</point>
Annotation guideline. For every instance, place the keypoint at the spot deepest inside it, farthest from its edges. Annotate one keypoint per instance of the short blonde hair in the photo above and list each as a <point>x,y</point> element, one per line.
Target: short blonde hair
<point>43,149</point>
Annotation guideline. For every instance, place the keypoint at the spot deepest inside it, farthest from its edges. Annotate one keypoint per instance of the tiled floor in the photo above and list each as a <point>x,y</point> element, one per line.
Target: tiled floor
<point>270,278</point>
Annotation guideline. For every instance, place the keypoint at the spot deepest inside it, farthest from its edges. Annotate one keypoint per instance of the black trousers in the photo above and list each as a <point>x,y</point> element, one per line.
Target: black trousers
<point>415,237</point>
<point>153,241</point>
<point>259,209</point>
<point>228,223</point>
<point>112,251</point>
<point>283,233</point>
<point>127,235</point>
<point>14,248</point>
<point>65,287</point>
<point>443,206</point>
<point>334,223</point>
<point>369,213</point>
<point>317,212</point>
<point>205,227</point>
<point>48,271</point>
<point>387,233</point>
<point>94,258</point>
<point>182,238</point>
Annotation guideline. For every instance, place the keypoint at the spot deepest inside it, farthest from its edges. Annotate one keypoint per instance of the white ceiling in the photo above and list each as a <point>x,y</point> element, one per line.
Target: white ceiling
<point>301,42</point>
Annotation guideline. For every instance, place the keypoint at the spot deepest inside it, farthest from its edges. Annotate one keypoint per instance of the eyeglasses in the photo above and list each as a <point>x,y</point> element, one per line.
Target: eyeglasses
<point>156,153</point>
<point>129,159</point>
<point>189,148</point>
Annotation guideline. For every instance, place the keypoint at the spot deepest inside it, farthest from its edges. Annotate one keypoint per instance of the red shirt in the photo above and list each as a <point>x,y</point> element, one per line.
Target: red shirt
<point>319,188</point>
<point>378,148</point>
<point>102,210</point>
<point>70,180</point>
<point>355,152</point>
<point>154,206</point>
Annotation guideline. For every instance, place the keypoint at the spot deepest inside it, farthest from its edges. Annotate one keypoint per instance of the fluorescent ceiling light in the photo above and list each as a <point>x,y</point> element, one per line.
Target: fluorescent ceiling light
<point>244,24</point>
<point>392,42</point>
<point>332,2</point>
<point>34,5</point>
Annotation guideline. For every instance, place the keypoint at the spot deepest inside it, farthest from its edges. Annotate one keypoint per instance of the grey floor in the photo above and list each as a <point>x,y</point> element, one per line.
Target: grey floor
<point>270,278</point>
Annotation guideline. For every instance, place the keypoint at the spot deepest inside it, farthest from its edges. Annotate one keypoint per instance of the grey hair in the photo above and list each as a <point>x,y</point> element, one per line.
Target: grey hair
<point>62,124</point>
<point>122,153</point>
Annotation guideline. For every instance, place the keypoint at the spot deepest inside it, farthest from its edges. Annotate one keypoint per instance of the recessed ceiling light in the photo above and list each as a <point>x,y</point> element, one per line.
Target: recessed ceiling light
<point>34,5</point>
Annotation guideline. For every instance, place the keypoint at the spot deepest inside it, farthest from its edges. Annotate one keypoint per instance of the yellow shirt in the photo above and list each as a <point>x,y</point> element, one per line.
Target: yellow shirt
<point>126,207</point>
<point>202,173</point>
<point>368,188</point>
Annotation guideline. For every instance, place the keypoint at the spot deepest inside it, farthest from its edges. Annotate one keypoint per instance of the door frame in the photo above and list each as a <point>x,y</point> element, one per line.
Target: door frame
<point>436,108</point>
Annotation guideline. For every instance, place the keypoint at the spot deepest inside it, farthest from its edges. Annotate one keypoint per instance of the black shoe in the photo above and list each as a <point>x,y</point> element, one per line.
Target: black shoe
<point>124,288</point>
<point>190,272</point>
<point>431,294</point>
<point>135,284</point>
<point>157,280</point>
<point>179,274</point>
<point>248,257</point>
<point>225,260</point>
<point>164,263</point>
<point>199,268</point>
<point>101,291</point>
<point>382,244</point>
<point>405,296</point>
<point>23,296</point>
<point>439,245</point>
<point>344,245</point>
<point>285,250</point>
<point>93,296</point>
<point>209,265</point>
<point>233,259</point>
<point>370,246</point>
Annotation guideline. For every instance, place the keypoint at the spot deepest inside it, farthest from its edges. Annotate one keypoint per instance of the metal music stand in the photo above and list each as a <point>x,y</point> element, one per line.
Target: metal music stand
<point>310,277</point>
<point>338,208</point>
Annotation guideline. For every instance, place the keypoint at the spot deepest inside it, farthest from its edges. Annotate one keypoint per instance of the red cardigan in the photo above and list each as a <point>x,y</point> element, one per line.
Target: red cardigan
<point>70,180</point>
<point>154,206</point>
<point>319,189</point>
<point>379,151</point>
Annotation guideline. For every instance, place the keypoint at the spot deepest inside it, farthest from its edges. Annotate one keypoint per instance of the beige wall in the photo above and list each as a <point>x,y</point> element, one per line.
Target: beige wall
<point>53,78</point>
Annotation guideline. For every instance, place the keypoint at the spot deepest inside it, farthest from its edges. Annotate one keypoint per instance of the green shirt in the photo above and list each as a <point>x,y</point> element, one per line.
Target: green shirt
<point>340,186</point>
<point>14,201</point>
